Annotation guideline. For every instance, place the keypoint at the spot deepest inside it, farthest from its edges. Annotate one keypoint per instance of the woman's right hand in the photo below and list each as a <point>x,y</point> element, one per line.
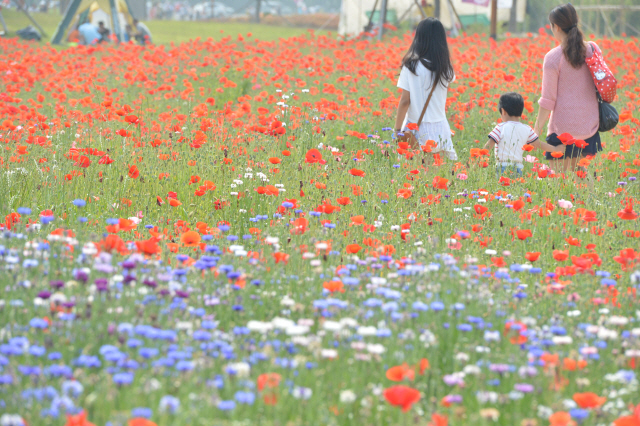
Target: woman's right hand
<point>541,121</point>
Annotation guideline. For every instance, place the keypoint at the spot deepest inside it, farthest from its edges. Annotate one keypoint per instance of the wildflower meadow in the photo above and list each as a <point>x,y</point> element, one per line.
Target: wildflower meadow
<point>226,233</point>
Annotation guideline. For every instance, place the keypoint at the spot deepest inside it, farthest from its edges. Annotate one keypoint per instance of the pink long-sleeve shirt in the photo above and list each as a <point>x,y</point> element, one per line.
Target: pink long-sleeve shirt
<point>570,94</point>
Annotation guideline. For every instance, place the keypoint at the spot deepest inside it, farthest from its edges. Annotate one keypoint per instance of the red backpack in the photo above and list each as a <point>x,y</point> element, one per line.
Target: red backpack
<point>605,82</point>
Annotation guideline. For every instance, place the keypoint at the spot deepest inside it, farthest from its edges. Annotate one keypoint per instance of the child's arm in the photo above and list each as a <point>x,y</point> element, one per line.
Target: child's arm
<point>490,145</point>
<point>546,147</point>
<point>403,107</point>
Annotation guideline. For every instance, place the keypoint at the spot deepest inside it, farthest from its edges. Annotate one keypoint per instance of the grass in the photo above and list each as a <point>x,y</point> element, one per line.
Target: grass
<point>166,32</point>
<point>17,20</point>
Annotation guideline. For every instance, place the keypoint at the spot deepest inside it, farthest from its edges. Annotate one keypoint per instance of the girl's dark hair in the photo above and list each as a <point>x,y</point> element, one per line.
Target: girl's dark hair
<point>566,18</point>
<point>430,47</point>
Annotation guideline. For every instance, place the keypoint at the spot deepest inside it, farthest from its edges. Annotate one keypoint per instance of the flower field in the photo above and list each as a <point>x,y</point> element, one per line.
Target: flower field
<point>225,233</point>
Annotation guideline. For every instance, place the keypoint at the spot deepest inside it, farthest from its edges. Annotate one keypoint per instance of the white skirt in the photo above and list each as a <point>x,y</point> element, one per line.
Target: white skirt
<point>440,133</point>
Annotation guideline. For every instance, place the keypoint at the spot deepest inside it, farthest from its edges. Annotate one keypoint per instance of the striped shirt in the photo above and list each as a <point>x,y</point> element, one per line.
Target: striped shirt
<point>570,94</point>
<point>510,137</point>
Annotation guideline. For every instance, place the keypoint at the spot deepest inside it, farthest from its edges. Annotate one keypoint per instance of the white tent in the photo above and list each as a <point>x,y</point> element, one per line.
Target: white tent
<point>354,13</point>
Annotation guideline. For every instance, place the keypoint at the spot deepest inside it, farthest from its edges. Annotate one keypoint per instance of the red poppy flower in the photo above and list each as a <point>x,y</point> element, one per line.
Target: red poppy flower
<point>402,396</point>
<point>78,420</point>
<point>580,143</point>
<point>440,182</point>
<point>333,286</point>
<point>190,238</point>
<point>82,161</point>
<point>353,248</point>
<point>632,420</point>
<point>561,418</point>
<point>268,380</point>
<point>627,213</point>
<point>400,372</point>
<point>480,209</point>
<point>149,246</point>
<point>105,160</point>
<point>560,255</point>
<point>588,400</point>
<point>313,156</point>
<point>566,139</point>
<point>134,172</point>
<point>532,256</point>
<point>424,365</point>
<point>141,421</point>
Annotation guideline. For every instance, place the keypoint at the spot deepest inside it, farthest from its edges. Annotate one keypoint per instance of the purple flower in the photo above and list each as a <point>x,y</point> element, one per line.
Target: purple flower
<point>150,283</point>
<point>499,368</point>
<point>454,399</point>
<point>524,387</point>
<point>453,379</point>
<point>44,294</point>
<point>57,284</point>
<point>128,264</point>
<point>103,267</point>
<point>81,276</point>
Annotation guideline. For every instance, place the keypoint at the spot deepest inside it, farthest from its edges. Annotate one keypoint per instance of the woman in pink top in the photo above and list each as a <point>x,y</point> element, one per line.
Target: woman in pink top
<point>569,100</point>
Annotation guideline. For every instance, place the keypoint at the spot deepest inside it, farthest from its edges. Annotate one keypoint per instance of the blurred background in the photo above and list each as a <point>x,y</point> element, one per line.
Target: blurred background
<point>612,18</point>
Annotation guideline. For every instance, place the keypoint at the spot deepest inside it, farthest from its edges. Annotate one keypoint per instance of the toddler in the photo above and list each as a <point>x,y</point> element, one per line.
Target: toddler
<point>510,137</point>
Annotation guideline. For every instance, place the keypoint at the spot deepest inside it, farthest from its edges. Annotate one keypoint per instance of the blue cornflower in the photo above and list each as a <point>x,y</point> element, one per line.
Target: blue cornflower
<point>226,405</point>
<point>169,403</point>
<point>142,412</point>
<point>245,397</point>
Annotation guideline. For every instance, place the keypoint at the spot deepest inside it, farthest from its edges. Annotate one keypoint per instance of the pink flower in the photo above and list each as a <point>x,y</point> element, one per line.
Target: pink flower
<point>462,176</point>
<point>564,204</point>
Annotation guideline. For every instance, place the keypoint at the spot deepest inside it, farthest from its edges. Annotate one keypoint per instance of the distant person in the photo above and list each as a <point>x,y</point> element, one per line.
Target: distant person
<point>427,8</point>
<point>88,34</point>
<point>128,33</point>
<point>74,35</point>
<point>104,32</point>
<point>143,35</point>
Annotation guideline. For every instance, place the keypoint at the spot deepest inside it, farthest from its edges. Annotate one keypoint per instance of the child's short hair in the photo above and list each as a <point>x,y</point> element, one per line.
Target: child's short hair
<point>512,103</point>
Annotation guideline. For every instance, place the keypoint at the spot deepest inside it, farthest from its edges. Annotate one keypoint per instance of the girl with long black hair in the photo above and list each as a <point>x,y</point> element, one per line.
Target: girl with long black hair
<point>427,70</point>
